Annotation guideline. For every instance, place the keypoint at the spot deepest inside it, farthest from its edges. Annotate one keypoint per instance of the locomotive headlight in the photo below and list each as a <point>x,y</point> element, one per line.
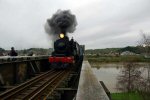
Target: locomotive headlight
<point>61,35</point>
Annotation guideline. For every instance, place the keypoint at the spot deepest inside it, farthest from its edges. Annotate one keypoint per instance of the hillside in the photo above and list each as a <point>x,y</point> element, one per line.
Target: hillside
<point>137,50</point>
<point>101,51</point>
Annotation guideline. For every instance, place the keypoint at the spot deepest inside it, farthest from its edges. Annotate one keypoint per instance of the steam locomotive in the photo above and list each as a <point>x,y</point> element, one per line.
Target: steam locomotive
<point>66,53</point>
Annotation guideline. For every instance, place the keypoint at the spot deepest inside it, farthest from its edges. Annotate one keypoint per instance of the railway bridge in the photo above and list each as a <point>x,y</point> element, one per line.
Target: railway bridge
<point>31,78</point>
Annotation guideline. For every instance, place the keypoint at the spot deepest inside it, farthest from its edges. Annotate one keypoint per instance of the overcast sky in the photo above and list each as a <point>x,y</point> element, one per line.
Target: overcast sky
<point>101,23</point>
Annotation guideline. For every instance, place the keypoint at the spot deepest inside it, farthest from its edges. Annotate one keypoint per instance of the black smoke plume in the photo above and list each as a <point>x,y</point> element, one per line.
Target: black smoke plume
<point>61,22</point>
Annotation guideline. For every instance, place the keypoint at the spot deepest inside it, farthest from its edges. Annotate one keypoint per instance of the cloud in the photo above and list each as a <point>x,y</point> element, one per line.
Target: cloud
<point>115,19</point>
<point>101,23</point>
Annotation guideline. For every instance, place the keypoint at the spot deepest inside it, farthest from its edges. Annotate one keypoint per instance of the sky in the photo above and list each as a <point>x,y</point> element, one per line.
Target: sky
<point>101,23</point>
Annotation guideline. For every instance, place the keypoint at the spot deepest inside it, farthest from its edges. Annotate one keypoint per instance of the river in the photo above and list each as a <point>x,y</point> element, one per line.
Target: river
<point>108,72</point>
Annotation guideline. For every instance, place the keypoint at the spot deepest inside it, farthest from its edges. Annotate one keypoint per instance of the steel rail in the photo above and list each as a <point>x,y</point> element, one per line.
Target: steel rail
<point>49,88</point>
<point>38,87</point>
<point>35,91</point>
<point>39,93</point>
<point>14,91</point>
<point>55,86</point>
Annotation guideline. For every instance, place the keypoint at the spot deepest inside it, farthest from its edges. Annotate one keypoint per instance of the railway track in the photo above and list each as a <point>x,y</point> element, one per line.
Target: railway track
<point>38,88</point>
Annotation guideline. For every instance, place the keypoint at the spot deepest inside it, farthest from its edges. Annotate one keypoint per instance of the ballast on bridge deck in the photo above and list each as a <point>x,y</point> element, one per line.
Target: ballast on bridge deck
<point>89,88</point>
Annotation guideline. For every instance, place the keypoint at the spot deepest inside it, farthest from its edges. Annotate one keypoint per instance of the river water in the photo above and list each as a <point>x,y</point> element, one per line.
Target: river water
<point>108,72</point>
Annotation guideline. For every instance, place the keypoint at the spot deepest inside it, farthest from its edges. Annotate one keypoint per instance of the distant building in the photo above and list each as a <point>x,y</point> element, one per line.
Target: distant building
<point>128,53</point>
<point>147,56</point>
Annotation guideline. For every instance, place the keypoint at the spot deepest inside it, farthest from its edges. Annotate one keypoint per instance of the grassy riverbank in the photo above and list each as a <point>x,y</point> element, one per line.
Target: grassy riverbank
<point>107,59</point>
<point>126,96</point>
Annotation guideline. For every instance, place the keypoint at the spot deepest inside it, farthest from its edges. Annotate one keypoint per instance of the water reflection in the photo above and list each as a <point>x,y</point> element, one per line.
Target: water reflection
<point>108,72</point>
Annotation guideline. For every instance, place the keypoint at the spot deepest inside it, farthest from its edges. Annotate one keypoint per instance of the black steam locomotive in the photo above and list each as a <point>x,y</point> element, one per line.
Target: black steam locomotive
<point>66,53</point>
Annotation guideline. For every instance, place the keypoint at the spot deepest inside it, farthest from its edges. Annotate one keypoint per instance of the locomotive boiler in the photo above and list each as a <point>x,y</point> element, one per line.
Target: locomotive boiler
<point>66,53</point>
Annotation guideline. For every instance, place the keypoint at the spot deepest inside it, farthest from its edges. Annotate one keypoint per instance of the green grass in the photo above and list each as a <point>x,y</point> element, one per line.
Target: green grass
<point>116,59</point>
<point>126,96</point>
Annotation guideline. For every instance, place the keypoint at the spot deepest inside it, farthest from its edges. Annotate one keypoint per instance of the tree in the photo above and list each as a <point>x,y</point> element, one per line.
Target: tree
<point>145,85</point>
<point>145,42</point>
<point>130,78</point>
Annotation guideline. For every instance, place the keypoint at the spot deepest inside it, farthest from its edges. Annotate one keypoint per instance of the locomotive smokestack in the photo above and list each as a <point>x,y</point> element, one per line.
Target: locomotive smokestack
<point>61,22</point>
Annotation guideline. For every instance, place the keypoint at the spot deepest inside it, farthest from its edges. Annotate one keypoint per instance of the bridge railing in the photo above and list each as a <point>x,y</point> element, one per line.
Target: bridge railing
<point>15,70</point>
<point>11,59</point>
